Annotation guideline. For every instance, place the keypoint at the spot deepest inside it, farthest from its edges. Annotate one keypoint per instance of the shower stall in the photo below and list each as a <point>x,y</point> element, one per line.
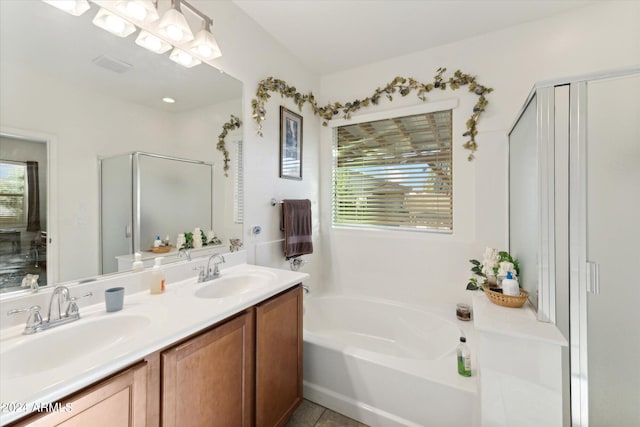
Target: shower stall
<point>574,160</point>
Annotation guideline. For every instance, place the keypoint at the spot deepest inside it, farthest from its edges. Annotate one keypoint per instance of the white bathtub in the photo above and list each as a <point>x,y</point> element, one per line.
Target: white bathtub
<point>387,364</point>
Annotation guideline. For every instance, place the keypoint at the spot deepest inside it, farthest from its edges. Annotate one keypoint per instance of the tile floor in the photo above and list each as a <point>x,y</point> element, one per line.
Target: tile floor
<point>310,414</point>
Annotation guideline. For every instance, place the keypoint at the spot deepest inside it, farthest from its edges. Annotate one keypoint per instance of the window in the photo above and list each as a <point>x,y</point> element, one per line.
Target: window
<point>238,185</point>
<point>395,173</point>
<point>13,191</point>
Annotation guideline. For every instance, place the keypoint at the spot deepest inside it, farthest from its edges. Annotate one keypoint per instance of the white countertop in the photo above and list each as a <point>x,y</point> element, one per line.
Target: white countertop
<point>174,315</point>
<point>514,322</point>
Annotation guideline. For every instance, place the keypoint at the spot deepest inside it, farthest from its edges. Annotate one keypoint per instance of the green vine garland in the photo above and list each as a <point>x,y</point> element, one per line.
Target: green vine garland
<point>401,85</point>
<point>233,123</point>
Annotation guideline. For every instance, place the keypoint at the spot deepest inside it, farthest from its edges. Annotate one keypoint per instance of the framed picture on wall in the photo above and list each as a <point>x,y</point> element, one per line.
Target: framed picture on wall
<point>290,144</point>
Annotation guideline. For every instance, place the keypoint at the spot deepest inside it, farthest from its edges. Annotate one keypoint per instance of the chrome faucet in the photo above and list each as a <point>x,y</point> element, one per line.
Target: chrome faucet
<point>59,297</point>
<point>210,275</point>
<point>186,252</point>
<point>62,309</point>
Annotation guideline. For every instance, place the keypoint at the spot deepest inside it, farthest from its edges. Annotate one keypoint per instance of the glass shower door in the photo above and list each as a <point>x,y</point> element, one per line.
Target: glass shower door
<point>608,157</point>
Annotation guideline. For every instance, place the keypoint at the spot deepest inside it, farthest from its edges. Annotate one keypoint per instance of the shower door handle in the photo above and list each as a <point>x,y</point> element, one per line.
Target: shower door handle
<point>593,277</point>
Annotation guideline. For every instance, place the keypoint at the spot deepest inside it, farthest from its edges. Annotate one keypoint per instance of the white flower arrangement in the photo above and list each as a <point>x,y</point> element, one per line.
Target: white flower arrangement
<point>494,263</point>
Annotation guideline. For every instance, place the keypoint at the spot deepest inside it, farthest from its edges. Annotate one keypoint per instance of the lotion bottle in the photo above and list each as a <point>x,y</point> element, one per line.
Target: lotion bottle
<point>510,285</point>
<point>464,358</point>
<point>137,263</point>
<point>157,278</point>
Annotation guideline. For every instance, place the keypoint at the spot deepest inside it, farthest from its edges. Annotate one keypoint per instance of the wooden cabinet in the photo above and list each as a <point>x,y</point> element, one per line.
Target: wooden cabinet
<point>208,380</point>
<point>243,372</point>
<point>119,401</point>
<point>278,358</point>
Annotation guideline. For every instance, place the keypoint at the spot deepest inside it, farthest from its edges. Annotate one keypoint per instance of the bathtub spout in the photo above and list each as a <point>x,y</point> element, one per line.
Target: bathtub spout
<point>306,289</point>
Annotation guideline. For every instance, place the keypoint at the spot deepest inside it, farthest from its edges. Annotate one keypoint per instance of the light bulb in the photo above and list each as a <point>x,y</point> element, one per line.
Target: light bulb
<point>183,58</point>
<point>115,24</point>
<point>174,33</point>
<point>136,10</point>
<point>204,50</point>
<point>66,5</point>
<point>154,43</point>
<point>73,7</point>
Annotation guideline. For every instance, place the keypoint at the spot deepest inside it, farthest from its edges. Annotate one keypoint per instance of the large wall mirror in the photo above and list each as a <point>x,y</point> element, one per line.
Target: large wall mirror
<point>81,94</point>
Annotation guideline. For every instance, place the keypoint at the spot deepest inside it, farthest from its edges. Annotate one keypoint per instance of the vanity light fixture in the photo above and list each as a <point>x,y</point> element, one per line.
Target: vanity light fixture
<point>73,7</point>
<point>174,25</point>
<point>152,43</point>
<point>124,17</point>
<point>113,23</point>
<point>140,11</point>
<point>184,58</point>
<point>204,44</point>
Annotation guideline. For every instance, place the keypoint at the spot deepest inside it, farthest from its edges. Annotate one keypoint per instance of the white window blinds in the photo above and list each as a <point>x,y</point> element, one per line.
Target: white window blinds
<point>13,191</point>
<point>238,185</point>
<point>395,173</point>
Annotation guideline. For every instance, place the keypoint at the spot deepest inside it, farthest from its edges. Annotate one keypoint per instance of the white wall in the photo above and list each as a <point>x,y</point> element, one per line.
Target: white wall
<point>251,55</point>
<point>412,266</point>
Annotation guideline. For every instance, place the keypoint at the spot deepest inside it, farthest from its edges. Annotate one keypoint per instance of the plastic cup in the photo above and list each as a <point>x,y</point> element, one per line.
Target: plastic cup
<point>114,299</point>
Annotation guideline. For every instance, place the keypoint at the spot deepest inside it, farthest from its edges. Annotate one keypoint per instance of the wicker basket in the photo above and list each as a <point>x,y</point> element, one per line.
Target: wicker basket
<point>161,249</point>
<point>514,301</point>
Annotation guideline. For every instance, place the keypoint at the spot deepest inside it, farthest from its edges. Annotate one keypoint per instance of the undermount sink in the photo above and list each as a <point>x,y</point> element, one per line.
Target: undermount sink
<point>233,285</point>
<point>55,347</point>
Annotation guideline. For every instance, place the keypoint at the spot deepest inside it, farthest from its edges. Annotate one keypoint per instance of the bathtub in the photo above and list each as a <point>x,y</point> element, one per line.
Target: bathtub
<point>387,364</point>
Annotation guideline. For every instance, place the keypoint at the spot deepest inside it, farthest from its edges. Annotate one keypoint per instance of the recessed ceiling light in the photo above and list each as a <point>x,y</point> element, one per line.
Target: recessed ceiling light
<point>168,100</point>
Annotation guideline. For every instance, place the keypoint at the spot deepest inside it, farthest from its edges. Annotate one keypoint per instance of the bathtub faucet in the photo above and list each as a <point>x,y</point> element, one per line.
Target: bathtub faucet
<point>306,289</point>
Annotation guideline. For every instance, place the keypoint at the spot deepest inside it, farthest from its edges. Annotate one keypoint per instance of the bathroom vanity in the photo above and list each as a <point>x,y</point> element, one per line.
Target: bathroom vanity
<point>224,352</point>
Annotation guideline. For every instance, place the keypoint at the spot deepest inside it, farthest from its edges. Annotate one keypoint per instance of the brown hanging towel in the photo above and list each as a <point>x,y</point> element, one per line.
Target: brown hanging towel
<point>296,224</point>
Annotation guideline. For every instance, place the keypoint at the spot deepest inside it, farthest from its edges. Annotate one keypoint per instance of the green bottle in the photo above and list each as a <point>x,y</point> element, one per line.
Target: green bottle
<point>464,358</point>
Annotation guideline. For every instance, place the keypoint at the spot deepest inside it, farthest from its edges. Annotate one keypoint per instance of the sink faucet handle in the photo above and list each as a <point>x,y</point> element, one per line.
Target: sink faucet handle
<point>72,308</point>
<point>186,253</point>
<point>34,319</point>
<point>201,274</point>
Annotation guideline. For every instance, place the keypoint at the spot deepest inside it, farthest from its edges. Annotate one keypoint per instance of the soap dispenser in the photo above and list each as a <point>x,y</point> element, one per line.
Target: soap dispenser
<point>510,285</point>
<point>464,358</point>
<point>137,263</point>
<point>157,278</point>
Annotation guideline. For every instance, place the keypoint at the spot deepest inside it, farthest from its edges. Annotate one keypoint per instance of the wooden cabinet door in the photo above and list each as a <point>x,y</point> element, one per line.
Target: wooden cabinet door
<point>208,380</point>
<point>117,402</point>
<point>278,358</point>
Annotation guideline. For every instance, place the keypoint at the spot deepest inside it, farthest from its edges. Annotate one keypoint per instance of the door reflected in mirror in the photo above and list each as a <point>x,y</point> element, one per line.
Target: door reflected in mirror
<point>59,81</point>
<point>23,213</point>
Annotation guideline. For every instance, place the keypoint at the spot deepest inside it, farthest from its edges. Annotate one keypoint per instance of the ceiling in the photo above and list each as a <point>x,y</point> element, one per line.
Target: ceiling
<point>334,35</point>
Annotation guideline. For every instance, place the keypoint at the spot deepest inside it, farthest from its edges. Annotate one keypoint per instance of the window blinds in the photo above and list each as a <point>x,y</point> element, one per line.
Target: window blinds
<point>238,185</point>
<point>395,173</point>
<point>13,190</point>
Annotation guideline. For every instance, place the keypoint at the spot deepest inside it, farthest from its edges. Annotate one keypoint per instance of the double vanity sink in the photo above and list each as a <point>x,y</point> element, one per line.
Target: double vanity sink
<point>46,366</point>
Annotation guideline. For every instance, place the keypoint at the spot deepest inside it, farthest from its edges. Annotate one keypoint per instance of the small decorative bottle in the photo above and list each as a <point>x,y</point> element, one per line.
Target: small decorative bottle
<point>464,358</point>
<point>197,238</point>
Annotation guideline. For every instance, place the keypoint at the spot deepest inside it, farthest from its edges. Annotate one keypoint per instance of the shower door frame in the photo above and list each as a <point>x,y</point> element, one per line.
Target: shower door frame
<point>583,273</point>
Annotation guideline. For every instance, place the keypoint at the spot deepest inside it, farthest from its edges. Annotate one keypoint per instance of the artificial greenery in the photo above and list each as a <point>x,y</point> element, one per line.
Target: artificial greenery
<point>188,240</point>
<point>233,123</point>
<point>401,85</point>
<point>476,269</point>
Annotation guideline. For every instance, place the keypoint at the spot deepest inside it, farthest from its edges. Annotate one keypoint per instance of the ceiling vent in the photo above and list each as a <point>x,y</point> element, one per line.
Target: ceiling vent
<point>112,64</point>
